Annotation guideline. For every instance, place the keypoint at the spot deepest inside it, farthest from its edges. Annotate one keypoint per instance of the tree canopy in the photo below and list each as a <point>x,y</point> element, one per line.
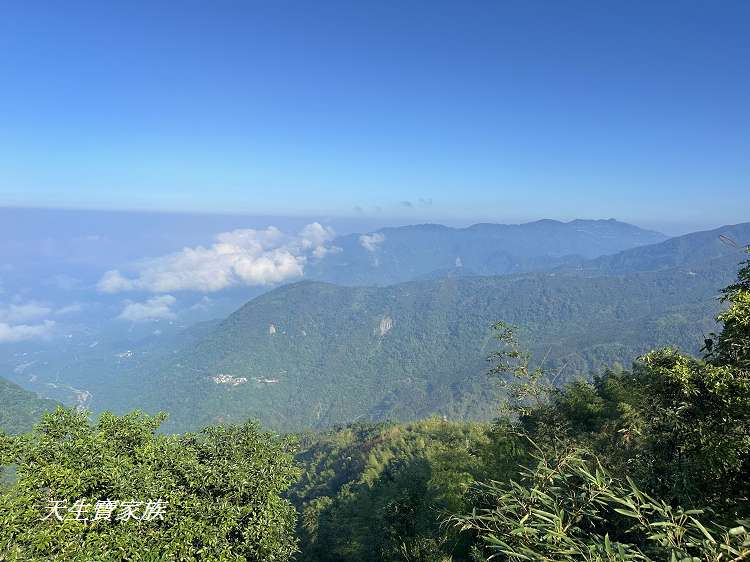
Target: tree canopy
<point>221,487</point>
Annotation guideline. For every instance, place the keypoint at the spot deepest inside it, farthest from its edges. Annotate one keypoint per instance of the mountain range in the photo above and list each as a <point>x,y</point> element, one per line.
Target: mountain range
<point>396,324</point>
<point>311,354</point>
<point>395,255</point>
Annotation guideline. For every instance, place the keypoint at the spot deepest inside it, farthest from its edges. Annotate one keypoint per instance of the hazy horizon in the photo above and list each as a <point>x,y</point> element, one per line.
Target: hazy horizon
<point>412,112</point>
<point>363,223</point>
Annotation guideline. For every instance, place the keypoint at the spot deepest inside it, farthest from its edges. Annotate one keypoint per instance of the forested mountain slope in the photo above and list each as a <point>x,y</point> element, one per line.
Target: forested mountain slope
<point>687,251</point>
<point>311,354</point>
<point>19,408</point>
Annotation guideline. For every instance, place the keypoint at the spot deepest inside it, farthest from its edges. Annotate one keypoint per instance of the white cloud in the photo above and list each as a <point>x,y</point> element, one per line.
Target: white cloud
<point>20,321</point>
<point>319,252</point>
<point>315,235</point>
<point>371,242</point>
<point>155,308</point>
<point>204,304</point>
<point>21,332</point>
<point>239,257</point>
<point>20,313</point>
<point>113,282</point>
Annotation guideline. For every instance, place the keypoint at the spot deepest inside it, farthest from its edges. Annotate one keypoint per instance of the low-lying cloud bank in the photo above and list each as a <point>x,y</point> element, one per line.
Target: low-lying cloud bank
<point>21,332</point>
<point>239,257</point>
<point>25,312</point>
<point>22,321</point>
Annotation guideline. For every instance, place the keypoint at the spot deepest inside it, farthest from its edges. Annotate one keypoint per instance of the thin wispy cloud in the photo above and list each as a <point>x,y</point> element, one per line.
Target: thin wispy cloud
<point>74,308</point>
<point>155,308</point>
<point>420,202</point>
<point>23,313</point>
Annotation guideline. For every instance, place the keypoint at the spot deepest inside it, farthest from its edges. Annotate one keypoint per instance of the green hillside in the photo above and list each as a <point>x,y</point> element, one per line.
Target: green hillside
<point>309,355</point>
<point>19,408</point>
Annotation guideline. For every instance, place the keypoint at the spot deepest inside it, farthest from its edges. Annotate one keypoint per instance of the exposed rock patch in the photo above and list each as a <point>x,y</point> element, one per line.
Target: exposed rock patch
<point>386,324</point>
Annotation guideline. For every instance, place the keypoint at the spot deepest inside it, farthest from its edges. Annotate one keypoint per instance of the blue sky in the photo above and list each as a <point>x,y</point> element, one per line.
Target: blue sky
<point>434,110</point>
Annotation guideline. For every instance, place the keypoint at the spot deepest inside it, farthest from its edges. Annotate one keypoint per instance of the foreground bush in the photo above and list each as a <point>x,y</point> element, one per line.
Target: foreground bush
<point>652,464</point>
<point>569,508</point>
<point>220,492</point>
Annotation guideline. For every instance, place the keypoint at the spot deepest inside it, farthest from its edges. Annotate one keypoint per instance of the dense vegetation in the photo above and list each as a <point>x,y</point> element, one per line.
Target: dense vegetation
<point>19,408</point>
<point>376,492</point>
<point>221,489</point>
<point>648,464</point>
<point>313,355</point>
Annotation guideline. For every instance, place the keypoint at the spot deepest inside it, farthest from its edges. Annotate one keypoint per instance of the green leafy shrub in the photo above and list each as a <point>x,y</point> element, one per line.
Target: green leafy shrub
<point>222,488</point>
<point>569,508</point>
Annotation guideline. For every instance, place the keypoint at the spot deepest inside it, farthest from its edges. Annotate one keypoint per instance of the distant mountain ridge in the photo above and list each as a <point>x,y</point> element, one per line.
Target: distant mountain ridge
<point>685,251</point>
<point>399,254</point>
